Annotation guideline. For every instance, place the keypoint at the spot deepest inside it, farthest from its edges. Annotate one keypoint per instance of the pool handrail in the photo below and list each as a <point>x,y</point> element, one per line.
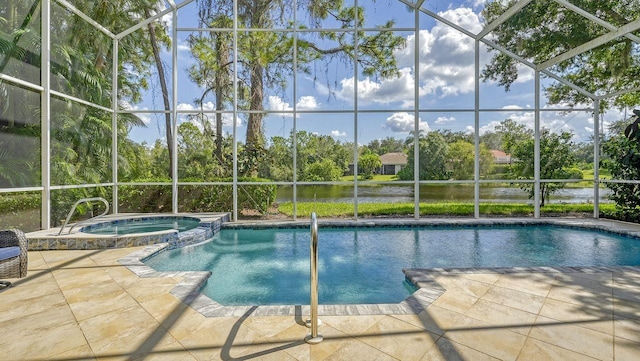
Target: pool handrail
<point>314,337</point>
<point>83,200</point>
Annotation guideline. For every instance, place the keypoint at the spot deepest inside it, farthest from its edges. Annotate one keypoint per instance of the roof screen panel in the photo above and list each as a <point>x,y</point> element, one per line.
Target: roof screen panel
<point>541,30</point>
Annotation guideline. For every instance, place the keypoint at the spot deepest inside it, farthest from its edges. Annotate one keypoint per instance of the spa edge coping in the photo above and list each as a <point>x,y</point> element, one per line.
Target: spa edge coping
<point>210,223</point>
<point>188,289</point>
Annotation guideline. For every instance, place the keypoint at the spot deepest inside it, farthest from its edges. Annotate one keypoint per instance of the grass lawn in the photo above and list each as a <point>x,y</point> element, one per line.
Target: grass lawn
<point>452,209</point>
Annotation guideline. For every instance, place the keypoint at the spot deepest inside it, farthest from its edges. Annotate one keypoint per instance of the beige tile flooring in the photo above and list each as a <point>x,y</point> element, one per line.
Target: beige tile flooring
<point>83,305</point>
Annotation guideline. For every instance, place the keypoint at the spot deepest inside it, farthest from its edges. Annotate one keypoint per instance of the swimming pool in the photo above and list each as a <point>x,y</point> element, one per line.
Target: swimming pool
<point>363,265</point>
<point>142,225</point>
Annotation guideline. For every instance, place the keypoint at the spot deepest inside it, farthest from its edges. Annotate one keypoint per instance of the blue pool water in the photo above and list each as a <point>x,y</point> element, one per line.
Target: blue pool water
<point>142,225</point>
<point>364,265</point>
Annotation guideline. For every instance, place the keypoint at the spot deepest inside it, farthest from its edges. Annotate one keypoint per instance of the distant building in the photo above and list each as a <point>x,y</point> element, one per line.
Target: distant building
<point>392,163</point>
<point>500,157</point>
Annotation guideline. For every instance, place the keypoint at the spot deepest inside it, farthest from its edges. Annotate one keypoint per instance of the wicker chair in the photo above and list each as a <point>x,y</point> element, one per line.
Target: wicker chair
<point>13,255</point>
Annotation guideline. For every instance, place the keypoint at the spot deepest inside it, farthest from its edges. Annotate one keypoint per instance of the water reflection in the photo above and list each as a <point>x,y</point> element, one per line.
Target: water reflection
<point>389,193</point>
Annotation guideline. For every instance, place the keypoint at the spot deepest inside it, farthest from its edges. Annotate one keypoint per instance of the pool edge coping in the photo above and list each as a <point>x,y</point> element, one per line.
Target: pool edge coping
<point>429,290</point>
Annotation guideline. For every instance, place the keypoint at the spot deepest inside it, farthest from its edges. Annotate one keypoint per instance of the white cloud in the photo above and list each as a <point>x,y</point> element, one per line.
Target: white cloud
<point>308,102</point>
<point>192,109</point>
<point>304,103</point>
<point>580,123</point>
<point>337,133</point>
<point>403,122</point>
<point>386,91</point>
<point>446,64</point>
<point>446,55</point>
<point>276,103</point>
<point>444,120</point>
<point>145,118</point>
<point>511,107</point>
<point>183,45</point>
<point>208,106</point>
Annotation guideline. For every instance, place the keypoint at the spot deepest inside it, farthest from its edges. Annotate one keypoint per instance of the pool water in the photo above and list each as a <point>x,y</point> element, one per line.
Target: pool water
<point>142,225</point>
<point>364,265</point>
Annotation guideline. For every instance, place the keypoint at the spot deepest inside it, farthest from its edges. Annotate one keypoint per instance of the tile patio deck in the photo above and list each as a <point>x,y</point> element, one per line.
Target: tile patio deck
<point>84,305</point>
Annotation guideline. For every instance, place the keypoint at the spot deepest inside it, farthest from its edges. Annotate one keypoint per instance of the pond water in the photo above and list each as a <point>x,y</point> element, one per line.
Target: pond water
<point>389,193</point>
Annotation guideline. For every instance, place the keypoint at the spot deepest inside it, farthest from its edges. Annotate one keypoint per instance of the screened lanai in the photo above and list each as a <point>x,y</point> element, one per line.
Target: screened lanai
<point>272,109</point>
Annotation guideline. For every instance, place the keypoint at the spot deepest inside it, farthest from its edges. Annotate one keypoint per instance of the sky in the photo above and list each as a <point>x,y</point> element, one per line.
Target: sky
<point>446,86</point>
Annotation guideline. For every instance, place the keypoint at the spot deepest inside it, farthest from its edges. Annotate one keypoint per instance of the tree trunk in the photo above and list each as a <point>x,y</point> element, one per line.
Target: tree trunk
<point>255,141</point>
<point>165,90</point>
<point>221,82</point>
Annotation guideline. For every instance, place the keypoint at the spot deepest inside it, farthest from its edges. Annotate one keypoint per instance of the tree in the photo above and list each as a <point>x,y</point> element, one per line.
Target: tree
<point>213,70</point>
<point>622,149</point>
<point>544,29</point>
<point>433,155</point>
<point>461,164</point>
<point>153,29</point>
<point>386,145</point>
<point>81,66</point>
<point>368,164</point>
<point>313,148</point>
<point>556,160</point>
<point>492,140</point>
<point>323,170</point>
<point>266,58</point>
<point>279,160</point>
<point>512,134</point>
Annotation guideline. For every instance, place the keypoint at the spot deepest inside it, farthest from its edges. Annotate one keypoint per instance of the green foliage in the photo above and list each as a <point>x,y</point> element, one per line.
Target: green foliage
<point>624,164</point>
<point>433,155</point>
<point>461,164</point>
<point>368,164</point>
<point>545,29</point>
<point>386,145</point>
<point>324,170</point>
<point>313,155</point>
<point>62,200</point>
<point>556,160</point>
<point>574,173</point>
<point>18,202</point>
<point>265,59</point>
<point>20,210</point>
<point>197,198</point>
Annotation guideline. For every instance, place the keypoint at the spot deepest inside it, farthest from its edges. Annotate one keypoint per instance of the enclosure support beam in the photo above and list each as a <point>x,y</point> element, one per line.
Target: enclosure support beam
<point>355,117</point>
<point>594,18</point>
<point>235,111</point>
<point>601,40</point>
<point>416,118</point>
<point>503,17</point>
<point>174,114</point>
<point>476,127</point>
<point>294,136</point>
<point>536,149</point>
<point>596,158</point>
<point>45,116</point>
<point>114,129</point>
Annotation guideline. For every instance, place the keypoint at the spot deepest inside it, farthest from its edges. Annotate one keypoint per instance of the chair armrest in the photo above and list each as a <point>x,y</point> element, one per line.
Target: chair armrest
<point>14,237</point>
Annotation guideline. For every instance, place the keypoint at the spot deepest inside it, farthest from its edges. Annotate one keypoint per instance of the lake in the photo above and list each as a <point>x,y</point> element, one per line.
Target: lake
<point>389,193</point>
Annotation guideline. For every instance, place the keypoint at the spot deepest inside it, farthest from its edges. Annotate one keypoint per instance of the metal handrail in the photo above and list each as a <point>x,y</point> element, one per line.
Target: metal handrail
<point>84,200</point>
<point>314,337</point>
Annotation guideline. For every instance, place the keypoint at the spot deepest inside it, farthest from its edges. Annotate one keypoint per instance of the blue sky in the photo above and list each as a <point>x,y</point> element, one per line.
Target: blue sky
<point>446,86</point>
